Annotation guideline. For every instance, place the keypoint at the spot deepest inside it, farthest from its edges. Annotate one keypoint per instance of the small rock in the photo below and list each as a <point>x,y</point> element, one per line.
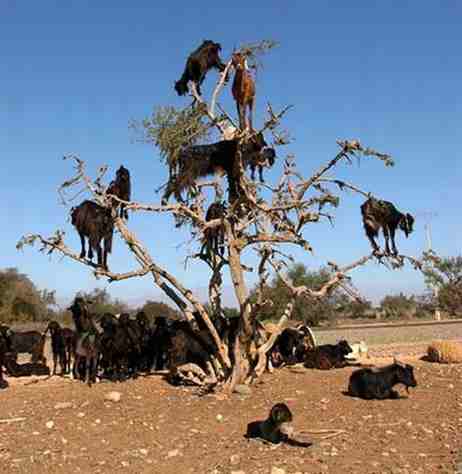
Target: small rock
<point>220,418</point>
<point>242,389</point>
<point>81,414</point>
<point>143,451</point>
<point>173,453</point>
<point>50,424</point>
<point>234,459</point>
<point>237,472</point>
<point>63,405</point>
<point>113,396</point>
<point>277,470</point>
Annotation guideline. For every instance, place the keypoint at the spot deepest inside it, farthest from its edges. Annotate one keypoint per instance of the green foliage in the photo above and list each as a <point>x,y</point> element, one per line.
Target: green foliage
<point>231,312</point>
<point>311,311</point>
<point>170,129</point>
<point>20,300</point>
<point>398,306</point>
<point>445,276</point>
<point>103,302</point>
<point>154,309</point>
<point>254,51</point>
<point>357,310</point>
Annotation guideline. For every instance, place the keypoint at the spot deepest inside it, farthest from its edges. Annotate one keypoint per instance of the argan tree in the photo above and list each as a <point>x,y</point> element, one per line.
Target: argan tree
<point>265,219</point>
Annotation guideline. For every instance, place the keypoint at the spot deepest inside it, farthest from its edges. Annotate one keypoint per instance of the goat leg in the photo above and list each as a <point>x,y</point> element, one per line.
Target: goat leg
<point>250,115</point>
<point>260,173</point>
<point>387,238</point>
<point>82,242</point>
<point>393,245</point>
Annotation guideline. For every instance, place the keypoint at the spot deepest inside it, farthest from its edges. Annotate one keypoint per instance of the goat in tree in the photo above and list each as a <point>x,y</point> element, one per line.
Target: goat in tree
<point>95,223</point>
<point>243,90</point>
<point>198,161</point>
<point>200,61</point>
<point>378,214</point>
<point>121,187</point>
<point>214,237</point>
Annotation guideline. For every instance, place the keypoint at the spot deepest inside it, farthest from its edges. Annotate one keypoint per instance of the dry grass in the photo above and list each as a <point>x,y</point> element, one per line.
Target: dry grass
<point>445,352</point>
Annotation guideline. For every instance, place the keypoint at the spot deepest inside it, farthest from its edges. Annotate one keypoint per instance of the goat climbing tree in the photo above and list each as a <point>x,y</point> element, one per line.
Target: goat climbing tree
<point>269,219</point>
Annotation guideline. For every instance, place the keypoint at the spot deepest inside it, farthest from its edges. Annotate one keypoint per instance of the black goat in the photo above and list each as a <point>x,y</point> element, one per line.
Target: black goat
<point>23,370</point>
<point>199,62</point>
<point>160,344</point>
<point>3,351</point>
<point>378,214</point>
<point>214,237</point>
<point>328,356</point>
<point>121,187</point>
<point>378,384</point>
<point>198,161</point>
<point>289,348</point>
<point>88,341</point>
<point>70,343</point>
<point>95,223</point>
<point>31,342</point>
<point>115,347</point>
<point>58,347</point>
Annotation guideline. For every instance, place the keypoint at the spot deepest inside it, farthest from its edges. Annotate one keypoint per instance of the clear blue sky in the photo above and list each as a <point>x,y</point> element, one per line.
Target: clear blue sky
<point>74,73</point>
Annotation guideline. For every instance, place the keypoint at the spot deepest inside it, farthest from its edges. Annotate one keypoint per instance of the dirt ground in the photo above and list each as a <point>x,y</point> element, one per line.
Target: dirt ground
<point>157,428</point>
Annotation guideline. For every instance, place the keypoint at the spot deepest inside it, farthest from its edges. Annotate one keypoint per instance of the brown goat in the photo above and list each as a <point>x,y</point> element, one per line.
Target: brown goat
<point>95,223</point>
<point>243,90</point>
<point>121,188</point>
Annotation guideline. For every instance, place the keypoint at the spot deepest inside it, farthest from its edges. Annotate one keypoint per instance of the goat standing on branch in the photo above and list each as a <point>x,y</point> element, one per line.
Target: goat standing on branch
<point>214,237</point>
<point>95,223</point>
<point>199,62</point>
<point>121,187</point>
<point>243,91</point>
<point>198,161</point>
<point>383,214</point>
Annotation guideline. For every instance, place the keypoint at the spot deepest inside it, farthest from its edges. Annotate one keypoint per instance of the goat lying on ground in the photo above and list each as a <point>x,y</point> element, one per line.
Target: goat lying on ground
<point>23,370</point>
<point>198,161</point>
<point>328,356</point>
<point>58,347</point>
<point>269,430</point>
<point>378,214</point>
<point>378,384</point>
<point>95,223</point>
<point>30,342</point>
<point>289,348</point>
<point>200,61</point>
<point>243,91</point>
<point>121,187</point>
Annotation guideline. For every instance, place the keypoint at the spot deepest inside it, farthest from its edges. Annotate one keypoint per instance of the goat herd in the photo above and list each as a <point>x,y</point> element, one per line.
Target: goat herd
<point>117,348</point>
